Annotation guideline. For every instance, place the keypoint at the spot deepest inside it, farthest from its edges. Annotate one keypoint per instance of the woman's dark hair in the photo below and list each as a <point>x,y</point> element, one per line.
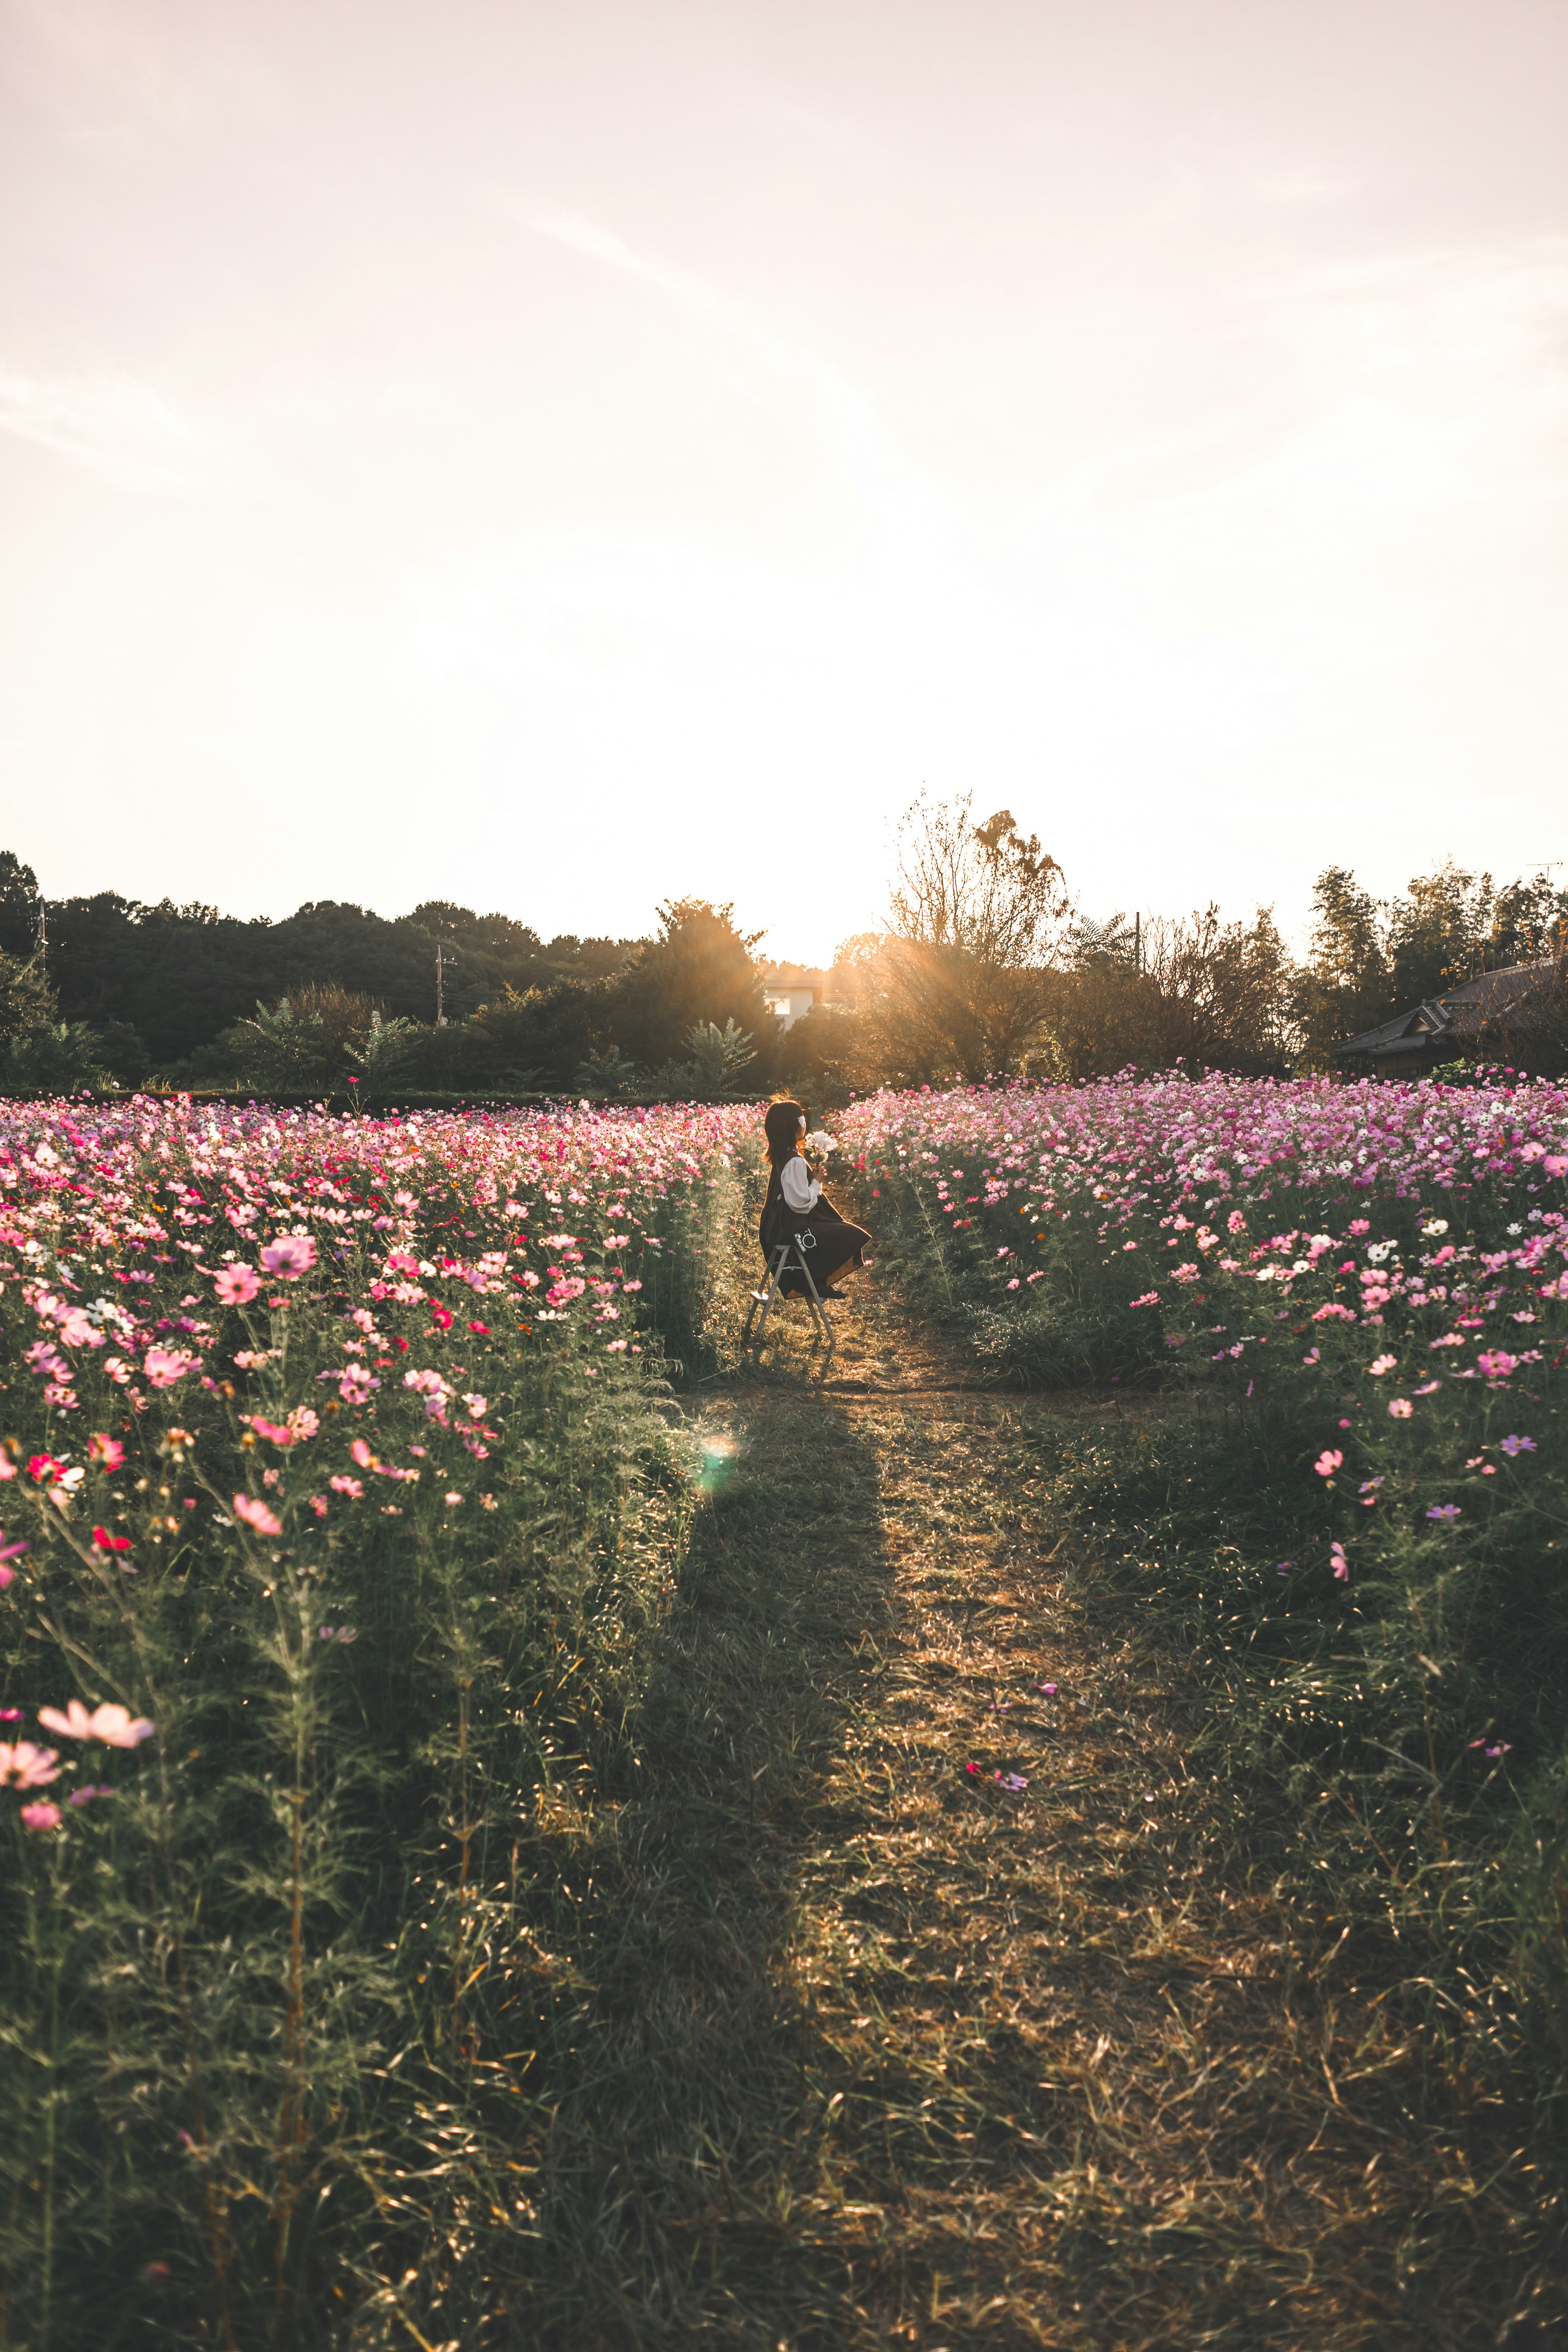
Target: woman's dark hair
<point>781,1127</point>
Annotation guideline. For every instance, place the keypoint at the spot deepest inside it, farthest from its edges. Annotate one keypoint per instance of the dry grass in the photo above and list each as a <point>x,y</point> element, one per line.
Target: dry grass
<point>873,2053</point>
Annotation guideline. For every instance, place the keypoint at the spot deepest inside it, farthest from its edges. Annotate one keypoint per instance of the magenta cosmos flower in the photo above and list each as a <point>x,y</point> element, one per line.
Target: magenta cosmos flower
<point>28,1767</point>
<point>255,1514</point>
<point>290,1256</point>
<point>112,1724</point>
<point>237,1285</point>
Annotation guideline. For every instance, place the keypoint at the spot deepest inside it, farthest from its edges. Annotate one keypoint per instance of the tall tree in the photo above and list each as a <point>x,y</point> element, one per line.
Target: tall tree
<point>1345,986</point>
<point>960,979</point>
<point>700,967</point>
<point>18,907</point>
<point>26,999</point>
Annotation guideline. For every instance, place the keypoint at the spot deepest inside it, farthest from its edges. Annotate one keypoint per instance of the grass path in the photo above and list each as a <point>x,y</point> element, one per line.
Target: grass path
<point>872,2052</point>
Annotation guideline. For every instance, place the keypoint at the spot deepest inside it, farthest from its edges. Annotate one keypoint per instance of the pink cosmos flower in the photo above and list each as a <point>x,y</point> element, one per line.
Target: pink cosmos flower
<point>363,1454</point>
<point>165,1366</point>
<point>290,1256</point>
<point>1380,1364</point>
<point>103,1541</point>
<point>355,1384</point>
<point>111,1724</point>
<point>27,1765</point>
<point>1341,1566</point>
<point>236,1285</point>
<point>351,1487</point>
<point>1327,1461</point>
<point>1400,1408</point>
<point>106,1451</point>
<point>256,1515</point>
<point>41,1816</point>
<point>304,1424</point>
<point>275,1431</point>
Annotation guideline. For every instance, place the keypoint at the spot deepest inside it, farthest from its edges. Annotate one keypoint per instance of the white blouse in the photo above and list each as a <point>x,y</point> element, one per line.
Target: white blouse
<point>801,1190</point>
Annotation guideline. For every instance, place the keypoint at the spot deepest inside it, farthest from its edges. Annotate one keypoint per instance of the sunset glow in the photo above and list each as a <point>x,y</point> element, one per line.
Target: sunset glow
<point>536,456</point>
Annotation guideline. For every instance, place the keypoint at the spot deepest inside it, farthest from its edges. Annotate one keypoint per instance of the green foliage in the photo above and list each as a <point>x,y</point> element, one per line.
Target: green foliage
<point>285,1048</point>
<point>19,908</point>
<point>699,969</point>
<point>384,1054</point>
<point>823,1055</point>
<point>1200,992</point>
<point>181,975</point>
<point>27,1000</point>
<point>54,1057</point>
<point>717,1056</point>
<point>607,1072</point>
<point>538,1038</point>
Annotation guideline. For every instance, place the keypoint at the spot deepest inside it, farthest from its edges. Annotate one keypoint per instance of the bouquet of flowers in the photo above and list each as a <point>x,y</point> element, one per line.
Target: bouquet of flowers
<point>822,1143</point>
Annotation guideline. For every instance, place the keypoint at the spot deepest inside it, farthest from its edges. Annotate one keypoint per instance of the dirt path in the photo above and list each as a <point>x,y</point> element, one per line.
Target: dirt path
<point>898,2053</point>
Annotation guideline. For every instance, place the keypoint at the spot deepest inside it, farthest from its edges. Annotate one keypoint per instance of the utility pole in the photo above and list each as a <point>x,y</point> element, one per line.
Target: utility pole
<point>450,958</point>
<point>1137,942</point>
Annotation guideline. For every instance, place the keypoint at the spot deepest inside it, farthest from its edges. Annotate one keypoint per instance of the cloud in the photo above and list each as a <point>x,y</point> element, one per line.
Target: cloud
<point>1303,187</point>
<point>121,429</point>
<point>838,400</point>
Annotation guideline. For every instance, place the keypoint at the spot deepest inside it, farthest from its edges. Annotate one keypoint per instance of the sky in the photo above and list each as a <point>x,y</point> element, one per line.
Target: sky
<point>563,458</point>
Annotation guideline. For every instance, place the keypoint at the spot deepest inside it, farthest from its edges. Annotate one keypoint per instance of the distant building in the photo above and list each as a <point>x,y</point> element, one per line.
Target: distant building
<point>791,989</point>
<point>1453,1026</point>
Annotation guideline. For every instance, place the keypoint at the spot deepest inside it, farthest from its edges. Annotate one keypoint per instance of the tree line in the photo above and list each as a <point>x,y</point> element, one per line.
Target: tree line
<point>983,965</point>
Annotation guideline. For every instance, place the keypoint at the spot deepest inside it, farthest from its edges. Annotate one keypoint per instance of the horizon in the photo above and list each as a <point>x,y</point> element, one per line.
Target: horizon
<point>582,462</point>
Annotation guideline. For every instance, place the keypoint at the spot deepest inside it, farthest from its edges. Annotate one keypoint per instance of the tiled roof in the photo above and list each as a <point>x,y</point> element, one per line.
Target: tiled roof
<point>1458,1013</point>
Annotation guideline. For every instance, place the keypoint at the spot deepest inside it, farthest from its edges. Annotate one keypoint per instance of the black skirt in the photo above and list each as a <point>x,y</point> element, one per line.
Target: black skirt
<point>828,1242</point>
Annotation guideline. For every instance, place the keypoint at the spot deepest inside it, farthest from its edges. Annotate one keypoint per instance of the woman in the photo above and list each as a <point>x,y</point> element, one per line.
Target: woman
<point>797,1210</point>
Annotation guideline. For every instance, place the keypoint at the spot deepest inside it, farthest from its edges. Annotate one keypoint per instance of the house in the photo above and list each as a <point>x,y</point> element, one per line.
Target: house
<point>1454,1026</point>
<point>791,989</point>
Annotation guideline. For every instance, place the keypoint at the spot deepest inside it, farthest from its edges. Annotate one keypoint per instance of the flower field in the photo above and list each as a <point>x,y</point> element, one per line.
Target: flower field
<point>343,1518</point>
<point>335,1496</point>
<point>1337,1319</point>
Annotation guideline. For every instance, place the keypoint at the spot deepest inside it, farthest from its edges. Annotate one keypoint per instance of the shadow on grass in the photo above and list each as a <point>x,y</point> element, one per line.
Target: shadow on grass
<point>684,2111</point>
